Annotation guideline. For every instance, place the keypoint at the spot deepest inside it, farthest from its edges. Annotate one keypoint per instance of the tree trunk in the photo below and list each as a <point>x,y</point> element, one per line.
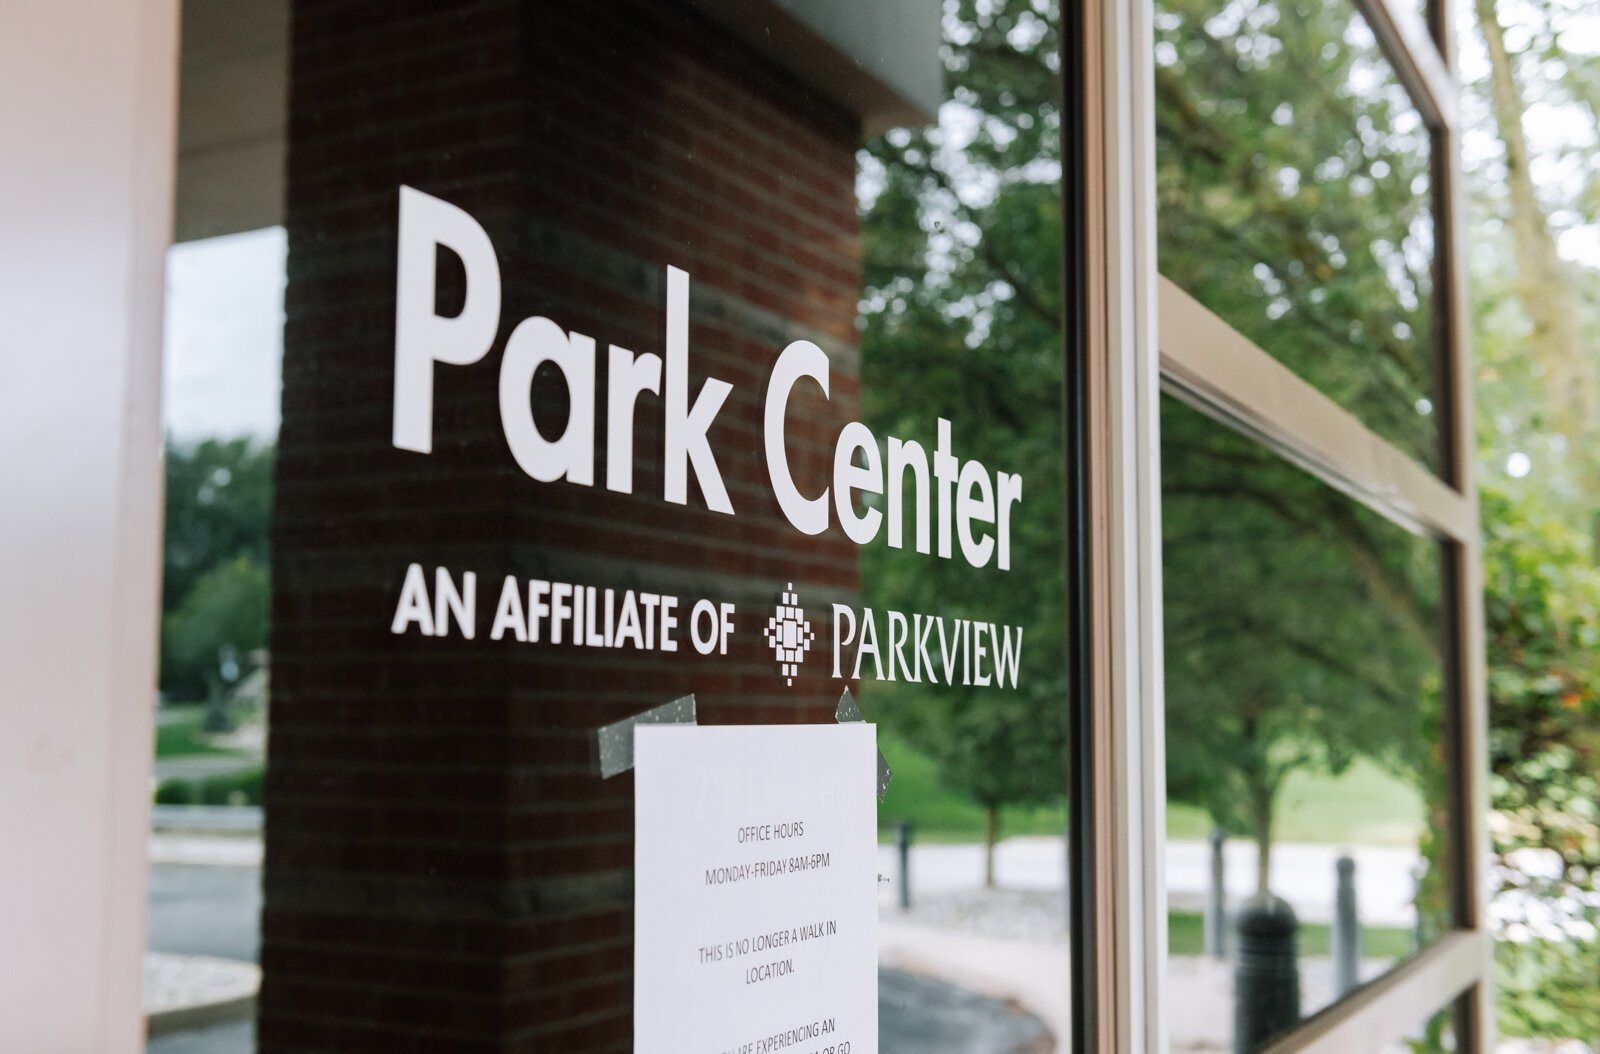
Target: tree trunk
<point>1261,797</point>
<point>1542,279</point>
<point>991,834</point>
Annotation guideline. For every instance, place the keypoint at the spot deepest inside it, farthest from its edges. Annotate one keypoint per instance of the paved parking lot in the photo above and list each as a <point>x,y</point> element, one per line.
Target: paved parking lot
<point>215,910</point>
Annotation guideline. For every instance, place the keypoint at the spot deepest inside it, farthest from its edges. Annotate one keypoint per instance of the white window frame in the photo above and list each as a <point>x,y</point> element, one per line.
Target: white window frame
<point>1143,335</point>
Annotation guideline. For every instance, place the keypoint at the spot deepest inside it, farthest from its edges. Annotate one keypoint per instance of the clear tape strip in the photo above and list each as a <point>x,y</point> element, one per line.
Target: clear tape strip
<point>613,743</point>
<point>849,712</point>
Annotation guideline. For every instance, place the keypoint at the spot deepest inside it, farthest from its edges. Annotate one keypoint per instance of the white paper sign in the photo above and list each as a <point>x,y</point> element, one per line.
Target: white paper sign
<point>755,890</point>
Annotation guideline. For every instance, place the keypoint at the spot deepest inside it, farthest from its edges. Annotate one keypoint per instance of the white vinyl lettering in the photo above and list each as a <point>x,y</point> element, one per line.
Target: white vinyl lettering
<point>904,455</point>
<point>950,500</point>
<point>449,601</point>
<point>508,612</point>
<point>841,636</point>
<point>686,429</point>
<point>534,342</point>
<point>944,470</point>
<point>980,651</point>
<point>1008,492</point>
<point>800,359</point>
<point>538,607</point>
<point>897,646</point>
<point>421,337</point>
<point>1007,656</point>
<point>629,376</point>
<point>974,505</point>
<point>849,477</point>
<point>868,646</point>
<point>922,662</point>
<point>414,605</point>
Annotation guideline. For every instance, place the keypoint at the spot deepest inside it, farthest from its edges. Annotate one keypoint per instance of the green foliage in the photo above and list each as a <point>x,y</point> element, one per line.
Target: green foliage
<point>184,736</point>
<point>1547,987</point>
<point>1365,804</point>
<point>1292,174</point>
<point>214,566</point>
<point>939,813</point>
<point>962,246</point>
<point>218,505</point>
<point>1533,340</point>
<point>962,320</point>
<point>1542,607</point>
<point>226,607</point>
<point>962,243</point>
<point>228,788</point>
<point>1438,1035</point>
<point>1300,629</point>
<point>1301,632</point>
<point>1186,936</point>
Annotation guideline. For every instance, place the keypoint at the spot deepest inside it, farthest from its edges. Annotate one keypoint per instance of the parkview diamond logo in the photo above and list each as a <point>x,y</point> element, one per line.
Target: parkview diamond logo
<point>789,635</point>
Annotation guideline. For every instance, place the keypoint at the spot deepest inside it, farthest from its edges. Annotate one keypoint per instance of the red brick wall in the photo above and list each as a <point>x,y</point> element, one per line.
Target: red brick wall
<point>444,872</point>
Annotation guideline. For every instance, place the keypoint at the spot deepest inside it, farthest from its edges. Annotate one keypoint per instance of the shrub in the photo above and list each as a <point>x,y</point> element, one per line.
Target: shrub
<point>228,788</point>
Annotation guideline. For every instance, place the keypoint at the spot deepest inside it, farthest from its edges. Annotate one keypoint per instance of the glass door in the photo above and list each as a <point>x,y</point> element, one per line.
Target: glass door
<point>1292,683</point>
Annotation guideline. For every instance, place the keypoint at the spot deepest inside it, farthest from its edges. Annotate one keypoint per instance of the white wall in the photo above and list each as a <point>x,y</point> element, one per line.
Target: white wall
<point>86,156</point>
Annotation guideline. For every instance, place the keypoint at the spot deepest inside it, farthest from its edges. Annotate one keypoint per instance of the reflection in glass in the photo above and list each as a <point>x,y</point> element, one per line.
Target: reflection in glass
<point>1435,1035</point>
<point>223,344</point>
<point>1303,698</point>
<point>713,209</point>
<point>961,320</point>
<point>1294,199</point>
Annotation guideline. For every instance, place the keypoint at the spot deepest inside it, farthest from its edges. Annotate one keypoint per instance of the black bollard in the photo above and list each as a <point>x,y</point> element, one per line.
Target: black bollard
<point>1266,973</point>
<point>902,841</point>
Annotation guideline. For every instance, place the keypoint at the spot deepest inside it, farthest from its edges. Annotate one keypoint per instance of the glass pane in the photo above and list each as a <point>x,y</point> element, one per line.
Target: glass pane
<point>221,406</point>
<point>624,309</point>
<point>1306,787</point>
<point>1435,1035</point>
<point>1295,199</point>
<point>962,313</point>
<point>220,371</point>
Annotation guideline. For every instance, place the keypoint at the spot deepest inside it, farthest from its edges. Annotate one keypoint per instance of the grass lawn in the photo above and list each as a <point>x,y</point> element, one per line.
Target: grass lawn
<point>1186,936</point>
<point>178,734</point>
<point>1365,806</point>
<point>938,814</point>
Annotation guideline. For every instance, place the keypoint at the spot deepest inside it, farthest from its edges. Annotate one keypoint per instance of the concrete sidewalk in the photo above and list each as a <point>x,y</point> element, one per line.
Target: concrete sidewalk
<point>1303,874</point>
<point>184,992</point>
<point>195,850</point>
<point>200,973</point>
<point>1007,945</point>
<point>1034,972</point>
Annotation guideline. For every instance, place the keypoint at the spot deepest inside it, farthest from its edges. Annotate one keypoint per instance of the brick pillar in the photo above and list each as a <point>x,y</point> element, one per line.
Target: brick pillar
<point>443,871</point>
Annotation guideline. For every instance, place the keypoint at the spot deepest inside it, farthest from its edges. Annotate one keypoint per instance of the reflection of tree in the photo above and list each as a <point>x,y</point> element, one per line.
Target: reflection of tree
<point>1293,175</point>
<point>1329,270</point>
<point>1543,284</point>
<point>1293,180</point>
<point>961,233</point>
<point>1297,628</point>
